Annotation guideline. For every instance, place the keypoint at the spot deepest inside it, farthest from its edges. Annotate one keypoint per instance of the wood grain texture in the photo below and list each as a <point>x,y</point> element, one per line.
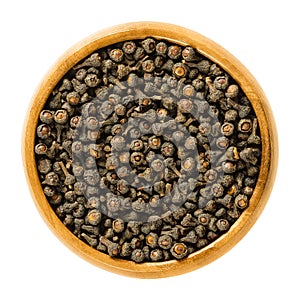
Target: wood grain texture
<point>218,55</point>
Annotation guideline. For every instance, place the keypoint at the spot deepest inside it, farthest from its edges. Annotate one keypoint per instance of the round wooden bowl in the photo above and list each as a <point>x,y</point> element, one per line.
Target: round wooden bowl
<point>216,54</point>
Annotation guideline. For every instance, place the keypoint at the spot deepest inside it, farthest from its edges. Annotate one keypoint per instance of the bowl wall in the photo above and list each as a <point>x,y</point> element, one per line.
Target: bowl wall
<point>216,54</point>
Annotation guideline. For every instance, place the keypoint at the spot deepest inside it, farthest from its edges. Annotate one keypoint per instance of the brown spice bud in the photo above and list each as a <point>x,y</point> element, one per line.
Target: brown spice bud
<point>43,131</point>
<point>227,129</point>
<point>180,70</point>
<point>188,91</point>
<point>116,55</point>
<point>232,91</point>
<point>185,105</point>
<point>46,116</point>
<point>94,217</point>
<point>223,224</point>
<point>179,250</point>
<point>113,249</point>
<point>61,116</point>
<point>165,242</point>
<point>148,66</point>
<point>174,52</point>
<point>118,225</point>
<point>129,47</point>
<point>188,54</point>
<point>161,48</point>
<point>152,239</point>
<point>241,201</point>
<point>73,98</point>
<point>154,142</point>
<point>245,125</point>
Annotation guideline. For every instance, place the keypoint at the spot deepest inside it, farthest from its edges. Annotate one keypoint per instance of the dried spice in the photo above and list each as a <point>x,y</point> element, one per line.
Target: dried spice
<point>147,150</point>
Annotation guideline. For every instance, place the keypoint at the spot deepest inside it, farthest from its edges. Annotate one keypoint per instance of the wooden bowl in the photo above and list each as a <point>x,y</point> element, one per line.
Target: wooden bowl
<point>216,54</point>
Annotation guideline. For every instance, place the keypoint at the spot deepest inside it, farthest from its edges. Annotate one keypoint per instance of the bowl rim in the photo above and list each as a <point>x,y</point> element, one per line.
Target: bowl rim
<point>217,54</point>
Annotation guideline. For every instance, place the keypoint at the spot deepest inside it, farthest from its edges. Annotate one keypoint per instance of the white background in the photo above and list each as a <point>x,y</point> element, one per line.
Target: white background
<point>263,35</point>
